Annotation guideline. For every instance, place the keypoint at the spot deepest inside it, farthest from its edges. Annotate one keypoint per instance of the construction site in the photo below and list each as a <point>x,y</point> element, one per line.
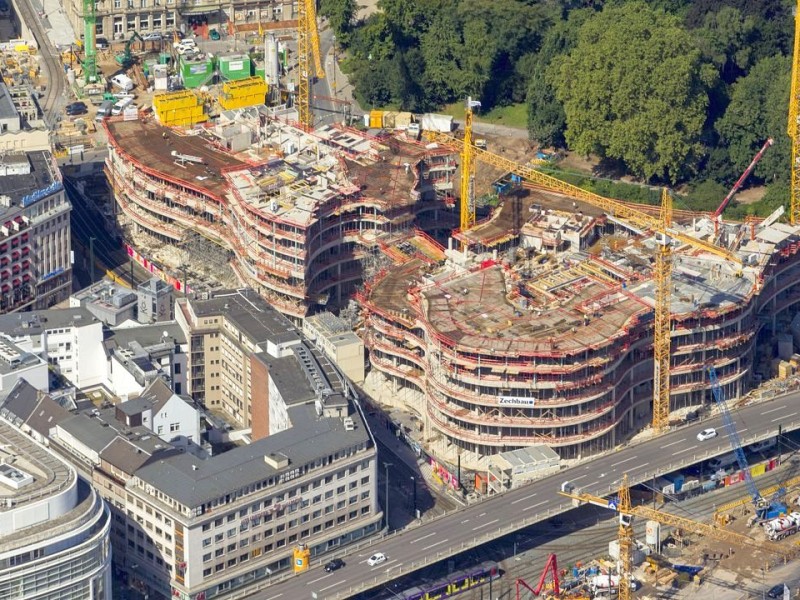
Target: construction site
<point>559,318</point>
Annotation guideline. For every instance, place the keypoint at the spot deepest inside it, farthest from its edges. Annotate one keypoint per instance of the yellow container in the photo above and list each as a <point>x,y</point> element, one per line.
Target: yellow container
<point>244,92</point>
<point>178,109</point>
<point>376,119</point>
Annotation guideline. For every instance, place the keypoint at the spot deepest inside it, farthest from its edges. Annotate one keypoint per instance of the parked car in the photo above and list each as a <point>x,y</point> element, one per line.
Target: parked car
<point>214,34</point>
<point>376,559</point>
<point>707,434</point>
<point>152,37</point>
<point>76,108</point>
<point>334,565</point>
<point>101,43</point>
<point>776,591</point>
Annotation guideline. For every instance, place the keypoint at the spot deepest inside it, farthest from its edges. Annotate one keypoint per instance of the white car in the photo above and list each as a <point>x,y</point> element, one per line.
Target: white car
<point>151,37</point>
<point>706,434</point>
<point>376,559</point>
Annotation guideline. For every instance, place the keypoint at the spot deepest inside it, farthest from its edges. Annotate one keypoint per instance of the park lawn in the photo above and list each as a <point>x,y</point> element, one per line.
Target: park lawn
<point>515,115</point>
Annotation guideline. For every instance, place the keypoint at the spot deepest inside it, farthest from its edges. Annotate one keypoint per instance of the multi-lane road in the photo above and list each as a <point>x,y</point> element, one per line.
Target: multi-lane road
<point>410,549</point>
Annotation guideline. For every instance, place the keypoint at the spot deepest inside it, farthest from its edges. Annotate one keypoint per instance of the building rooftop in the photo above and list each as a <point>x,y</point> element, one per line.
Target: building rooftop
<point>38,472</point>
<point>21,175</point>
<point>154,397</point>
<point>37,321</point>
<point>147,335</point>
<point>193,482</point>
<point>568,302</point>
<point>7,108</point>
<point>29,406</point>
<point>152,145</point>
<point>251,314</point>
<point>14,358</point>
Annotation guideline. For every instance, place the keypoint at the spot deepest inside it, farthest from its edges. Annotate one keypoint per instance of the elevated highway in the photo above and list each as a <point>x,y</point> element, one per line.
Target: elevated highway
<point>497,516</point>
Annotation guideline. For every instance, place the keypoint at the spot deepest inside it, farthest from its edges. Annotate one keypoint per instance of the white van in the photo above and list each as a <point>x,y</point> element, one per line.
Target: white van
<point>121,106</point>
<point>122,81</point>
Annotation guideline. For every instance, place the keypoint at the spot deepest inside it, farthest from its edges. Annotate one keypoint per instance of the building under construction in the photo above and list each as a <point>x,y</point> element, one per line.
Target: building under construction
<point>538,330</point>
<point>543,332</point>
<point>300,214</point>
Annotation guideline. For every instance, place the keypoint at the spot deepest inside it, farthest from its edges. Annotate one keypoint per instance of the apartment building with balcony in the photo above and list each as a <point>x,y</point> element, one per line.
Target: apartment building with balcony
<point>54,527</point>
<point>298,213</point>
<point>35,234</point>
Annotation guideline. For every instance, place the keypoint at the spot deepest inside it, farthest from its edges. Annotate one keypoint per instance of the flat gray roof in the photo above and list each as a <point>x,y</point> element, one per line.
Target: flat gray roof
<point>147,335</point>
<point>251,313</point>
<point>309,438</point>
<point>37,321</point>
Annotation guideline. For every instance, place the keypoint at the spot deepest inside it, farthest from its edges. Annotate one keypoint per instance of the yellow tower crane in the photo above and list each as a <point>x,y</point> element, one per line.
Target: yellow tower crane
<point>627,512</point>
<point>794,126</point>
<point>468,170</point>
<point>639,220</point>
<point>307,52</point>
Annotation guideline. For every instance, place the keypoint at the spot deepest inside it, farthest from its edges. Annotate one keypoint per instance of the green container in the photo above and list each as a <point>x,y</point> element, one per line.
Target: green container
<point>234,67</point>
<point>164,58</point>
<point>258,69</point>
<point>196,73</point>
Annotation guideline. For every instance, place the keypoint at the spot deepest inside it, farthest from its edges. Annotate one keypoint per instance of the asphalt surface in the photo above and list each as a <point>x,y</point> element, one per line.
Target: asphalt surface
<point>409,550</point>
<point>50,63</point>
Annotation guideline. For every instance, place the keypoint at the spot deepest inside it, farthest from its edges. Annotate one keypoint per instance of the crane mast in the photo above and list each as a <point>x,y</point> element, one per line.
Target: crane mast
<point>662,339</point>
<point>307,51</point>
<point>794,126</point>
<point>467,220</point>
<point>89,42</point>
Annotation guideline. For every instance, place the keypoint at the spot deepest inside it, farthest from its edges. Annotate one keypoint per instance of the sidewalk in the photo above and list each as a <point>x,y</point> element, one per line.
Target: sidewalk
<point>340,85</point>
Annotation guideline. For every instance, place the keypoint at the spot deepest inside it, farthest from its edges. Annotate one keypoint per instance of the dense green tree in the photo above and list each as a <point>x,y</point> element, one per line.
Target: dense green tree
<point>635,88</point>
<point>705,196</point>
<point>340,14</point>
<point>726,39</point>
<point>757,111</point>
<point>546,119</point>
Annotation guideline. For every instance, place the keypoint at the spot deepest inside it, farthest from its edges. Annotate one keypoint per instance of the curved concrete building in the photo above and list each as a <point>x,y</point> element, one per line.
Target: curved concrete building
<point>54,527</point>
<point>555,348</point>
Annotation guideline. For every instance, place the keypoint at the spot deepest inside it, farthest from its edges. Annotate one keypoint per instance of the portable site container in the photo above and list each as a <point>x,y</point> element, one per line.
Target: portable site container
<point>234,67</point>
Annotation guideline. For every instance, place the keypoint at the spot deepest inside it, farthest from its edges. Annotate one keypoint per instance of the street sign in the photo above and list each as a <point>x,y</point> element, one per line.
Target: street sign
<point>612,504</point>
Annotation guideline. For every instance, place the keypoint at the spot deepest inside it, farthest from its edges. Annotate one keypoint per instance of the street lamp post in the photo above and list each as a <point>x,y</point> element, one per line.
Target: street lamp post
<point>414,484</point>
<point>386,473</point>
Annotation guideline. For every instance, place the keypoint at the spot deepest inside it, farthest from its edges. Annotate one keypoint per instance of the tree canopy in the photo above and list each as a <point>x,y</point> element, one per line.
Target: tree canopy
<point>677,91</point>
<point>634,88</point>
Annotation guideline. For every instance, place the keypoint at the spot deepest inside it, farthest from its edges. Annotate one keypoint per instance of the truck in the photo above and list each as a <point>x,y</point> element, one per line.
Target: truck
<point>782,527</point>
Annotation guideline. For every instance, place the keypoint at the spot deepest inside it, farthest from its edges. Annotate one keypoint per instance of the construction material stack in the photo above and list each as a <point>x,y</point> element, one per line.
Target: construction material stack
<point>178,109</point>
<point>247,92</point>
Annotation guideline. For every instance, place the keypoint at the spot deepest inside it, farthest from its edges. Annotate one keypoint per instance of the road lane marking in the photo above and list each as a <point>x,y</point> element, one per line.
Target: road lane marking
<point>766,412</point>
<point>483,514</point>
<point>576,478</point>
<point>465,521</point>
<point>422,538</point>
<point>535,505</point>
<point>435,544</point>
<point>624,461</point>
<point>384,563</point>
<point>525,498</point>
<point>485,524</point>
<point>684,450</point>
<point>591,484</point>
<point>673,443</point>
<point>784,417</point>
<point>741,430</point>
<point>636,467</point>
<point>330,586</point>
<point>273,597</point>
<point>319,578</point>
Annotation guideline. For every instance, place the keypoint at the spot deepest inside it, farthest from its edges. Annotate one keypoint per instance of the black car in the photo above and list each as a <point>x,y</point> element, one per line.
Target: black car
<point>775,591</point>
<point>76,108</point>
<point>334,565</point>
